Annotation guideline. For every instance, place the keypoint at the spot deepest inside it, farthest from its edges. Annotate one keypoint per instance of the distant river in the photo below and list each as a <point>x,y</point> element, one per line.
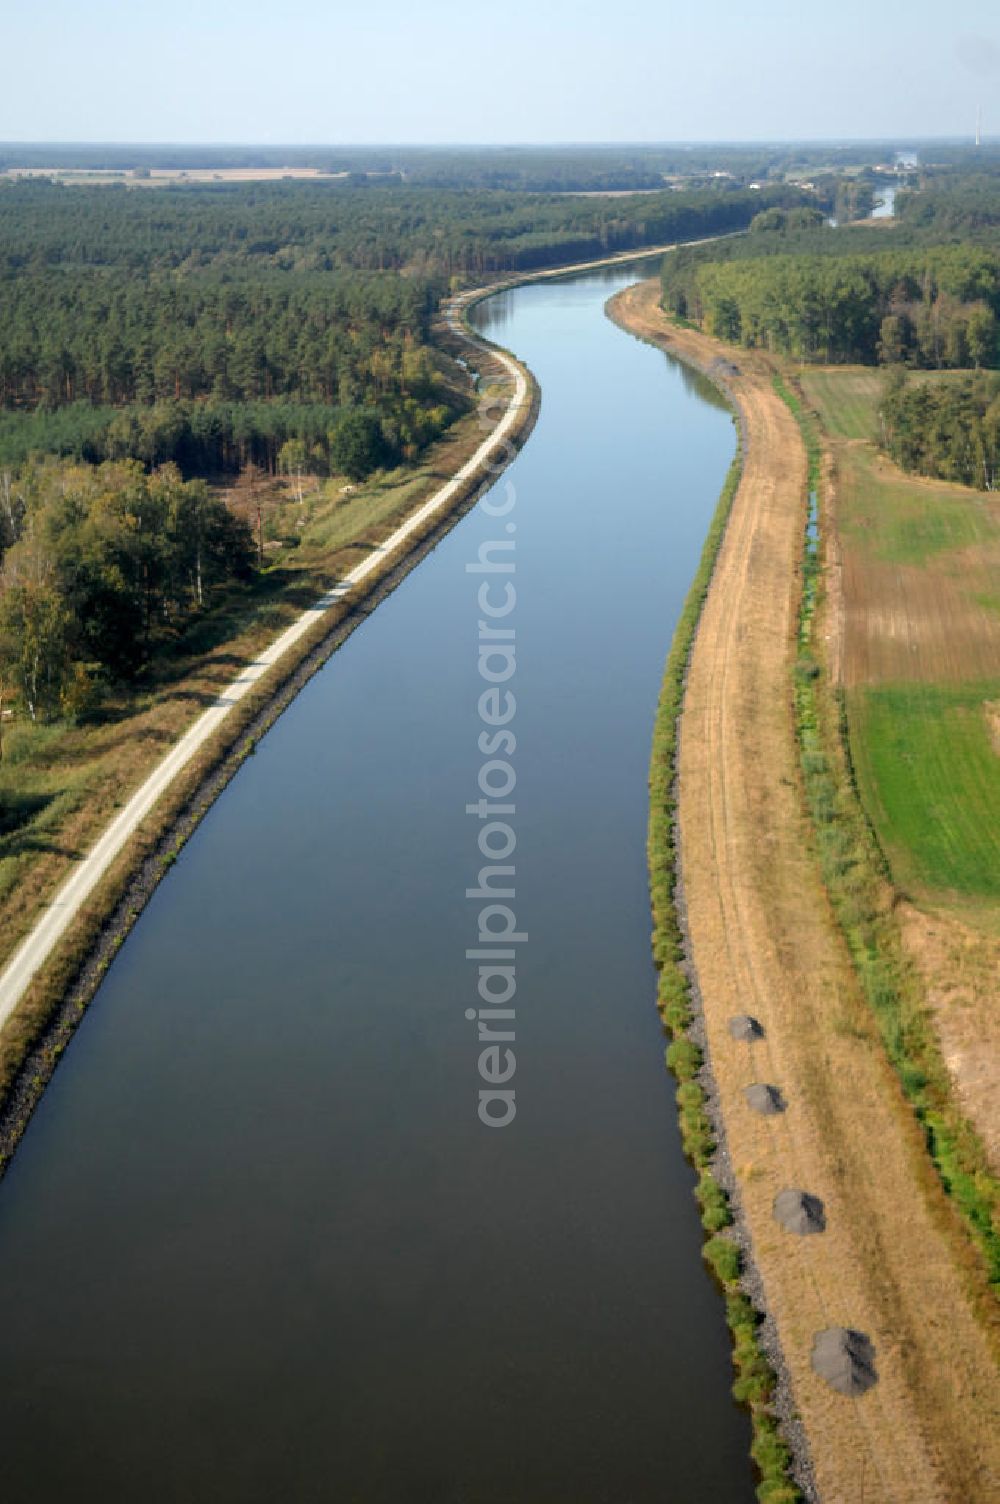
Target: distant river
<point>257,1244</point>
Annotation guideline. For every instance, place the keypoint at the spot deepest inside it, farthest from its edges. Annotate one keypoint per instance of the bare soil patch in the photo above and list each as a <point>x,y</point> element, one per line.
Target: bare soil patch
<point>991,709</point>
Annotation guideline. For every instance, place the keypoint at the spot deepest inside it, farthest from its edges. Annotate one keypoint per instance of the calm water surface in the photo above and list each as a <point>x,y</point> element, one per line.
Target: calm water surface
<point>256,1245</point>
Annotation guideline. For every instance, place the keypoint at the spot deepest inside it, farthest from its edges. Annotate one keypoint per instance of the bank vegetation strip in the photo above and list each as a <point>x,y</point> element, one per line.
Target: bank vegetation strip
<point>764,941</point>
<point>778,1449</point>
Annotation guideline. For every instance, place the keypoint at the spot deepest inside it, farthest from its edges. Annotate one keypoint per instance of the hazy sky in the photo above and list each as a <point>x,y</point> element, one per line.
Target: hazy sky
<point>309,71</point>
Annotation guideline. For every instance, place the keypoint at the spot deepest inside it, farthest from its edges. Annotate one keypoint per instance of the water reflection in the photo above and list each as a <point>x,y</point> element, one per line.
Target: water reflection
<point>256,1244</point>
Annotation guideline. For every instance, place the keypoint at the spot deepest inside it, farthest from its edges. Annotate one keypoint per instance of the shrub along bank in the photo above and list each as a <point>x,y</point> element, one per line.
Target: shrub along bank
<point>755,1378</point>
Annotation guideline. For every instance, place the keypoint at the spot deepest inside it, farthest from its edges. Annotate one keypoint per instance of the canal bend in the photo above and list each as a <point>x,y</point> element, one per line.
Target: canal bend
<point>257,1242</point>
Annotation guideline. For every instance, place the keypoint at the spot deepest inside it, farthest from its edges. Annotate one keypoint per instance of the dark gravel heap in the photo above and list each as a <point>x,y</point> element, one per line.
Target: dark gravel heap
<point>799,1212</point>
<point>845,1359</point>
<point>764,1099</point>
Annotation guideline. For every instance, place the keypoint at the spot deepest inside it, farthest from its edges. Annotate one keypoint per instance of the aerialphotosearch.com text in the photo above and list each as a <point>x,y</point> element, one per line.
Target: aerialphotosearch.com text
<point>495,809</point>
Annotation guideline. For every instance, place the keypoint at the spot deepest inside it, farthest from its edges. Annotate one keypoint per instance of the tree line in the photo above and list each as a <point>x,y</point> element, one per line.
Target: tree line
<point>111,336</point>
<point>531,168</point>
<point>100,565</point>
<point>215,371</point>
<point>212,437</point>
<point>211,327</point>
<point>304,226</point>
<point>953,204</point>
<point>933,307</point>
<point>948,429</point>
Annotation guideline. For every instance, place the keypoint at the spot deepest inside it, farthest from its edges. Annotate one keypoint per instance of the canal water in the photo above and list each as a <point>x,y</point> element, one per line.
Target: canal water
<point>257,1243</point>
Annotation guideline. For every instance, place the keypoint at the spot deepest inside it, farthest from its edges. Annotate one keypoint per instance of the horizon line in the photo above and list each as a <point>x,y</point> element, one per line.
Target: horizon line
<point>579,145</point>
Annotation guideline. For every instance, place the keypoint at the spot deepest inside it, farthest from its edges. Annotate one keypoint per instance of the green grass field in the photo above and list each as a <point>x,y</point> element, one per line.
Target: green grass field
<point>924,553</point>
<point>901,521</point>
<point>846,397</point>
<point>929,775</point>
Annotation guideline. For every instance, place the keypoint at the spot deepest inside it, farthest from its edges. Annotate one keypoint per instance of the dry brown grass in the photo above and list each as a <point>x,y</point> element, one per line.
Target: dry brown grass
<point>160,176</point>
<point>764,942</point>
<point>239,174</point>
<point>920,558</point>
<point>960,966</point>
<point>919,614</point>
<point>991,710</point>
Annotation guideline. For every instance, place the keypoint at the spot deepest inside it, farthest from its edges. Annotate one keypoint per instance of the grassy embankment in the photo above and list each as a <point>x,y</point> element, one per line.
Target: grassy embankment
<point>876,760</point>
<point>755,1378</point>
<point>63,782</point>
